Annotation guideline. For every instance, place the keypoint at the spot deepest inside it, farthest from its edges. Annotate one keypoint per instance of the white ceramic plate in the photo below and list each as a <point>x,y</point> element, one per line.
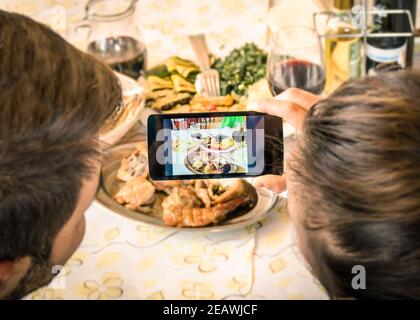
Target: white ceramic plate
<point>109,185</point>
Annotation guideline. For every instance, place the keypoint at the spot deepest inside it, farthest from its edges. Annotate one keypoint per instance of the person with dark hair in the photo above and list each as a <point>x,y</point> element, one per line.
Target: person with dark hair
<point>53,101</point>
<point>353,182</point>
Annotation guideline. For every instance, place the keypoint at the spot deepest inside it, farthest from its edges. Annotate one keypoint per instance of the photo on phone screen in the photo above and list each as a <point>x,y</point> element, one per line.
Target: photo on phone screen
<point>207,145</point>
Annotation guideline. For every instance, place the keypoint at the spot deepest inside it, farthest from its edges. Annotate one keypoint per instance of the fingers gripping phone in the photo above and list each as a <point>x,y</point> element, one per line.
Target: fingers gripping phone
<point>214,145</point>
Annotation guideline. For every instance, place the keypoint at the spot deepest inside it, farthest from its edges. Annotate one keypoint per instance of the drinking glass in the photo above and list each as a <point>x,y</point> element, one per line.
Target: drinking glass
<point>296,60</point>
<point>114,36</point>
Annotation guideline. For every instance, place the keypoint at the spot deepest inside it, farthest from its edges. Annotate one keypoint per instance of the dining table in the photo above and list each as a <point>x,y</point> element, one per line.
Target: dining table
<point>121,258</point>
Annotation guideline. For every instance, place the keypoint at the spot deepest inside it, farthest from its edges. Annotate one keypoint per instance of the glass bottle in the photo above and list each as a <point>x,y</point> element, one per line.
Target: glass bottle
<point>342,51</point>
<point>114,37</point>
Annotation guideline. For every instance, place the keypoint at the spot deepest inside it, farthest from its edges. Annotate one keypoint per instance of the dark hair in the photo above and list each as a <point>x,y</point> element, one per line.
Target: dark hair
<point>359,166</point>
<point>53,101</point>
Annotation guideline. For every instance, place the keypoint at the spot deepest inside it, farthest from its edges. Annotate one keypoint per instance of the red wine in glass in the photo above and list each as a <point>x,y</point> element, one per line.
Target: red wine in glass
<point>294,73</point>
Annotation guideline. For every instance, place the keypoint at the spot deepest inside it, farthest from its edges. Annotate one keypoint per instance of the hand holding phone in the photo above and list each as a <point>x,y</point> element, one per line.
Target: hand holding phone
<point>214,145</point>
<point>292,105</point>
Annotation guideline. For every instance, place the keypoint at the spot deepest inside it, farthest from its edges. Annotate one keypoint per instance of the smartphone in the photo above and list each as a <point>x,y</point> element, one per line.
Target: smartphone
<point>214,145</point>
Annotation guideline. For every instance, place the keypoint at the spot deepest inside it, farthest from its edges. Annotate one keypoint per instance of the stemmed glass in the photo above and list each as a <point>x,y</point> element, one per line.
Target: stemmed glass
<point>296,61</point>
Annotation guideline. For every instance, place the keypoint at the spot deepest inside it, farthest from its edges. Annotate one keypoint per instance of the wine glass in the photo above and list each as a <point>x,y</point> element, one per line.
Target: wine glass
<point>296,61</point>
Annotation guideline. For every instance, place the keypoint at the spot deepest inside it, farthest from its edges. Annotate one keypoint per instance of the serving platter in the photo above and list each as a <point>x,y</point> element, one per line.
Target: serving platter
<point>109,185</point>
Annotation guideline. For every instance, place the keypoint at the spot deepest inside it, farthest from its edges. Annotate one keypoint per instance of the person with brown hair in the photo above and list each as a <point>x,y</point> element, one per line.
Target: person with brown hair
<point>53,101</point>
<point>353,182</point>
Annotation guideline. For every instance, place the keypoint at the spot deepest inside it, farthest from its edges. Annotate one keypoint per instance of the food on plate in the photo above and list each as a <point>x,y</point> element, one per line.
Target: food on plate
<point>205,104</point>
<point>168,101</point>
<point>185,68</point>
<point>259,90</point>
<point>167,186</point>
<point>196,135</point>
<point>181,145</point>
<point>159,71</point>
<point>227,143</point>
<point>199,160</point>
<point>171,84</point>
<point>200,206</point>
<point>221,101</point>
<point>181,203</point>
<point>181,73</point>
<point>155,83</point>
<point>219,142</point>
<point>182,85</point>
<point>152,96</point>
<point>202,192</point>
<point>240,69</point>
<point>135,165</point>
<point>136,193</point>
<point>209,163</point>
<point>171,89</point>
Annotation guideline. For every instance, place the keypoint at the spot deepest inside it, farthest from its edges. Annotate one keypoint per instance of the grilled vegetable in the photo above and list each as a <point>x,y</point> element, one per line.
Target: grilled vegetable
<point>182,85</point>
<point>241,68</point>
<point>214,101</point>
<point>159,71</point>
<point>183,67</point>
<point>155,83</point>
<point>154,95</point>
<point>171,84</point>
<point>169,101</point>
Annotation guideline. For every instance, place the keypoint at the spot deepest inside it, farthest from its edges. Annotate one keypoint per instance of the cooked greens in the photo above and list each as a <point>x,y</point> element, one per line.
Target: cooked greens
<point>241,68</point>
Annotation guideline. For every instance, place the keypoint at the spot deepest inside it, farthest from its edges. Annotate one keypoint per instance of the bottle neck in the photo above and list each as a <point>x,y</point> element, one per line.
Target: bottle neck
<point>341,18</point>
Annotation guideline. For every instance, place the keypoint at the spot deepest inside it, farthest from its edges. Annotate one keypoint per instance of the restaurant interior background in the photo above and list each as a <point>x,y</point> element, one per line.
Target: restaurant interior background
<point>122,259</point>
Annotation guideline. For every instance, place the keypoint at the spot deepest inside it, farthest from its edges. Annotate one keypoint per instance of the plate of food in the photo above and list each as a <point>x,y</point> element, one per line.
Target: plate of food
<point>170,85</point>
<point>218,144</point>
<point>203,162</point>
<point>213,205</point>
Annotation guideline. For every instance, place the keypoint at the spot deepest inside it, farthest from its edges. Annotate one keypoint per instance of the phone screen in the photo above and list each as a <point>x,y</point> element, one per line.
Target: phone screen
<point>213,145</point>
<point>206,145</point>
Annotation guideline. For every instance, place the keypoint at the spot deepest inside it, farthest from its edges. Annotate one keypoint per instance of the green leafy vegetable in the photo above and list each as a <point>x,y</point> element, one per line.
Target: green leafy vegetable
<point>241,68</point>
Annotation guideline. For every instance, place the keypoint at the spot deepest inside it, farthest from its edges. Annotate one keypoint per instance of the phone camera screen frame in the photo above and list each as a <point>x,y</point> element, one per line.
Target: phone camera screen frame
<point>214,145</point>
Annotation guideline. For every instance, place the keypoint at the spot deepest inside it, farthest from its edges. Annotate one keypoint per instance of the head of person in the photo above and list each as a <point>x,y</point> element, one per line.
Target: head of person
<point>354,188</point>
<point>53,101</point>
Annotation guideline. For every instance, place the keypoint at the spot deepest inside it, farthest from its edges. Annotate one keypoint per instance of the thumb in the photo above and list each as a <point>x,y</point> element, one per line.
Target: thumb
<point>274,183</point>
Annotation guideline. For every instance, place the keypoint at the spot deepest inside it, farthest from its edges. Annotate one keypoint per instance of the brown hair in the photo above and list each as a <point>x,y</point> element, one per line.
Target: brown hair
<point>359,166</point>
<point>53,101</point>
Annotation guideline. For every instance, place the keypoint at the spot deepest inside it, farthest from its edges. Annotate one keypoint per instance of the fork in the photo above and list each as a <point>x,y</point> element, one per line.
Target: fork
<point>208,81</point>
